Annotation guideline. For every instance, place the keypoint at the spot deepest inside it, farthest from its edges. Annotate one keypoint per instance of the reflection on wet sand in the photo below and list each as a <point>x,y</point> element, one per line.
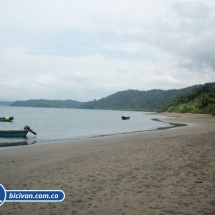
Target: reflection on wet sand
<point>15,142</point>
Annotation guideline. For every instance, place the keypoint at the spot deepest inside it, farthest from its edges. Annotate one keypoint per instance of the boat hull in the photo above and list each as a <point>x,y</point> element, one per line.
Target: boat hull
<point>7,119</point>
<point>13,133</point>
<point>125,117</point>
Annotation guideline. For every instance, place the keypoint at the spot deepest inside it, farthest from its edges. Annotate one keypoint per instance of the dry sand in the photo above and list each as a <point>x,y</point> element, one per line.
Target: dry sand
<point>160,172</point>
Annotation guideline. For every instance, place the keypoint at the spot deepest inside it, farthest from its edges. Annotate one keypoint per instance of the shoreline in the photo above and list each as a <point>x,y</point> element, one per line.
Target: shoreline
<point>26,142</point>
<point>156,172</point>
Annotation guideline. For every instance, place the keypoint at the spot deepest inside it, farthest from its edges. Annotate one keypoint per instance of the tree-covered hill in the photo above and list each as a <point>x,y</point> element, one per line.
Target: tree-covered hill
<point>4,103</point>
<point>48,103</point>
<point>201,100</point>
<point>194,99</point>
<point>151,100</point>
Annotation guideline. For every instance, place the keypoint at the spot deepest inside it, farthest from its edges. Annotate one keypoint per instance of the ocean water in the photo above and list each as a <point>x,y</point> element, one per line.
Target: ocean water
<point>56,124</point>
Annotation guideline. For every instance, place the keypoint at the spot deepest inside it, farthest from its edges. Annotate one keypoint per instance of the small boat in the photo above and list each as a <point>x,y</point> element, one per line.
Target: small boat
<point>16,133</point>
<point>125,117</point>
<point>13,133</point>
<point>6,118</point>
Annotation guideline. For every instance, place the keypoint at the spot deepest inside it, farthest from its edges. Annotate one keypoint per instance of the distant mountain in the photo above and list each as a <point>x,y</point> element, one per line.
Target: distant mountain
<point>201,100</point>
<point>48,103</point>
<point>151,100</point>
<point>3,103</point>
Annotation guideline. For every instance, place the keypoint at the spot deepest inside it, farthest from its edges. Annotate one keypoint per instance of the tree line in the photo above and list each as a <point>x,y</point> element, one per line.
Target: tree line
<point>48,103</point>
<point>201,100</point>
<point>194,99</point>
<point>151,100</point>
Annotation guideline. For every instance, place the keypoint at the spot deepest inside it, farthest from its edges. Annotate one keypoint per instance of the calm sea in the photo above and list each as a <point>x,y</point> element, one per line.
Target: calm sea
<point>55,124</point>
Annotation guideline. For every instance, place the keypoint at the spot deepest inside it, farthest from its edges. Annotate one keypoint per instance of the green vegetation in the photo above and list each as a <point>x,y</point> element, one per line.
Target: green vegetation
<point>3,103</point>
<point>201,100</point>
<point>151,100</point>
<point>194,99</point>
<point>48,103</point>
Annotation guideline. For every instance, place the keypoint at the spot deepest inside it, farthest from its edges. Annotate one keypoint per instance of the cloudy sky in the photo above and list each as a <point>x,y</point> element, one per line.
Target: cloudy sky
<point>89,49</point>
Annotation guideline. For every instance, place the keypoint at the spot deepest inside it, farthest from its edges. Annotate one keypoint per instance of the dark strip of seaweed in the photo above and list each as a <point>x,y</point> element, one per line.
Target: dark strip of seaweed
<point>173,124</point>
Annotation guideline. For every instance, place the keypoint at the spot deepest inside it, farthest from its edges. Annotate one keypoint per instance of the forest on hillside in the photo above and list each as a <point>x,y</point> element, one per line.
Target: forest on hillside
<point>4,103</point>
<point>193,99</point>
<point>151,100</point>
<point>201,100</point>
<point>48,103</point>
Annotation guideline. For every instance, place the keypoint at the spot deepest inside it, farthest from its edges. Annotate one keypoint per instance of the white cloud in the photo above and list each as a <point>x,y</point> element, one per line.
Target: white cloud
<point>86,50</point>
<point>192,10</point>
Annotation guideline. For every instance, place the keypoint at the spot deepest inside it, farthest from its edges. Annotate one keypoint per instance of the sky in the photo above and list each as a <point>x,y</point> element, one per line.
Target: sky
<point>89,49</point>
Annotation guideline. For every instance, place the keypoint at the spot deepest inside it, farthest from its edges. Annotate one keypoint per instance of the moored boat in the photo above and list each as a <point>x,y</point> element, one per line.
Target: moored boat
<point>16,132</point>
<point>125,117</point>
<point>13,133</point>
<point>6,118</point>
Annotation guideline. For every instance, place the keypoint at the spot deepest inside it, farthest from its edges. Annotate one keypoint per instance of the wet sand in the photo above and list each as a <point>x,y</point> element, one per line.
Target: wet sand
<point>159,172</point>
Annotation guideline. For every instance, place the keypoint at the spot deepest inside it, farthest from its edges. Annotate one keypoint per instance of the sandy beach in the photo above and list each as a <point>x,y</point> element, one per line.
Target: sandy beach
<point>157,172</point>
